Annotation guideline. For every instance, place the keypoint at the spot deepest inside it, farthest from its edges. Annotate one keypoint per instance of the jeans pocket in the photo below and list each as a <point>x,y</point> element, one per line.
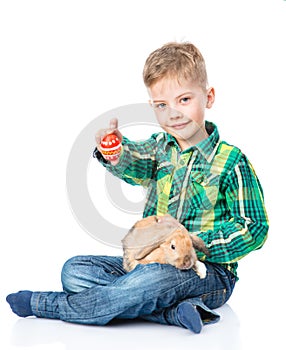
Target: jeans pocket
<point>215,299</point>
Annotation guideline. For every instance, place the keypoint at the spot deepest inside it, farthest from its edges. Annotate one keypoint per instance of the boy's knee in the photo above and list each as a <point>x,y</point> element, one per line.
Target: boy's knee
<point>69,265</point>
<point>69,275</point>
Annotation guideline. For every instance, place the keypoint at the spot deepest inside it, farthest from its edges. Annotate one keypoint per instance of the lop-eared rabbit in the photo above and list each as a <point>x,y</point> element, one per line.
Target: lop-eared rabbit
<point>164,240</point>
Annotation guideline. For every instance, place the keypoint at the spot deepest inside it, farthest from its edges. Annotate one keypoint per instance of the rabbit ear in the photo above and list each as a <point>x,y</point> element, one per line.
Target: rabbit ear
<point>143,239</point>
<point>199,244</point>
<point>144,251</point>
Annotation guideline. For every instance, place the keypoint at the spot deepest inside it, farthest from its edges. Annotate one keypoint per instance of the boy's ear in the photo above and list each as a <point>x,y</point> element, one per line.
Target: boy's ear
<point>210,97</point>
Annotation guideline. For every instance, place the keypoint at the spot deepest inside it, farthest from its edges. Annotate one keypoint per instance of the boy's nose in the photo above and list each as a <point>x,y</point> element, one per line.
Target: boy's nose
<point>174,113</point>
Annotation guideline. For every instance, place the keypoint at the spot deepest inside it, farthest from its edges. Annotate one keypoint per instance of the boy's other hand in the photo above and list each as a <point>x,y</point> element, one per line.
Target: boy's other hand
<point>113,129</point>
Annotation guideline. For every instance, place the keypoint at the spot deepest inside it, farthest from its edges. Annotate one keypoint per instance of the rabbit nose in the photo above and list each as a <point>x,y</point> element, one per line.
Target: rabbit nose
<point>187,261</point>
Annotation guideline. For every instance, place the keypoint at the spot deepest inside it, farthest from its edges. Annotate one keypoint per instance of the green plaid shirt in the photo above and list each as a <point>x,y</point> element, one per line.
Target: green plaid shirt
<point>210,188</point>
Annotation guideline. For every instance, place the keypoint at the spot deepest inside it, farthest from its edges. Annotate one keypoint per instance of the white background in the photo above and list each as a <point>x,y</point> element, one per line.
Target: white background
<point>62,63</point>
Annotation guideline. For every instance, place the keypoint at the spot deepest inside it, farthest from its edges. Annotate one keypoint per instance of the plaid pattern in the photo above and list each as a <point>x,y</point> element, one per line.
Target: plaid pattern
<point>210,188</point>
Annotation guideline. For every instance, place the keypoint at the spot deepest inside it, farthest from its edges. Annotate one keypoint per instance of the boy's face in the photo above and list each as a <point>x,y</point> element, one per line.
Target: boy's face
<point>180,109</point>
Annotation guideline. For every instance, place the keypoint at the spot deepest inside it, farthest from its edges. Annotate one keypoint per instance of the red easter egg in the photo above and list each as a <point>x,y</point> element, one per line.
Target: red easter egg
<point>110,147</point>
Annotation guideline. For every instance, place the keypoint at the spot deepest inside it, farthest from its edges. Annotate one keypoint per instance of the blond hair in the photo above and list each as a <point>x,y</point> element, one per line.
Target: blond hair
<point>182,61</point>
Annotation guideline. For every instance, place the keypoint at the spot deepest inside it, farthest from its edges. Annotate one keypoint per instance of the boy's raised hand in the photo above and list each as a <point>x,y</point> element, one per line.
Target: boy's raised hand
<point>113,129</point>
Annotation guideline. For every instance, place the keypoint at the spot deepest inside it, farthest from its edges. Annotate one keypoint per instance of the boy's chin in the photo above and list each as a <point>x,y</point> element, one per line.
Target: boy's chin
<point>187,139</point>
<point>182,135</point>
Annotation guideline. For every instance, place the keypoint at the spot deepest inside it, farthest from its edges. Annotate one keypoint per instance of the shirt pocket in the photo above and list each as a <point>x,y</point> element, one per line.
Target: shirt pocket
<point>203,190</point>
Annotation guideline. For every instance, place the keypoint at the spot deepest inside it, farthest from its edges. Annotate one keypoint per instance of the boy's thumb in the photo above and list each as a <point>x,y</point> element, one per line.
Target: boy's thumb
<point>113,124</point>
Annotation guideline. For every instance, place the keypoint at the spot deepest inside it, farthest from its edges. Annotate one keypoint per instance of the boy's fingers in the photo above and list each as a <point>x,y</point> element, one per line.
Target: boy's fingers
<point>113,124</point>
<point>170,220</point>
<point>113,128</point>
<point>99,136</point>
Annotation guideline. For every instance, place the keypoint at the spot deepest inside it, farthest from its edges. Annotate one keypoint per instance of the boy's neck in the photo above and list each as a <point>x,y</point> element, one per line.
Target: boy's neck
<point>199,136</point>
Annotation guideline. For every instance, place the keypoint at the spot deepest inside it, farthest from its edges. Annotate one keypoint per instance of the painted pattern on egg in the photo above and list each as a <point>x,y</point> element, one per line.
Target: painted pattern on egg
<point>111,147</point>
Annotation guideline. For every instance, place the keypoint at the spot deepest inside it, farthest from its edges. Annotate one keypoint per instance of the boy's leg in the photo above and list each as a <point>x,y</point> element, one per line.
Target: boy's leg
<point>140,292</point>
<point>194,312</point>
<point>78,273</point>
<point>82,272</point>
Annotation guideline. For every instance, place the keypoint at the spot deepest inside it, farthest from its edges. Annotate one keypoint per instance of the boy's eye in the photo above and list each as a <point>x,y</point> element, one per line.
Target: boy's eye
<point>185,100</point>
<point>160,105</point>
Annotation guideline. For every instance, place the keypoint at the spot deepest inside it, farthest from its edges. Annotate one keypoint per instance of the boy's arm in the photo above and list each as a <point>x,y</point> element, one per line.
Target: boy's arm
<point>137,161</point>
<point>247,228</point>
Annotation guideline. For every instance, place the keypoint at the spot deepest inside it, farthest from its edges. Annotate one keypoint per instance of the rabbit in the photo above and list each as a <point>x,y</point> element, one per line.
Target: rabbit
<point>164,240</point>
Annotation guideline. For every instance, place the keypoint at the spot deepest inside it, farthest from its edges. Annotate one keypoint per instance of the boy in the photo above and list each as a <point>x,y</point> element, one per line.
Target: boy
<point>206,184</point>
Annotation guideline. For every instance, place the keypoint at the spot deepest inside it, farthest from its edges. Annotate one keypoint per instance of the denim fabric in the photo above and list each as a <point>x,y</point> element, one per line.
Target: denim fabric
<point>97,289</point>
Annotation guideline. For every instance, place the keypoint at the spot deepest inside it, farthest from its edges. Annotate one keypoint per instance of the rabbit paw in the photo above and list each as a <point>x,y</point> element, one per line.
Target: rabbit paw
<point>200,269</point>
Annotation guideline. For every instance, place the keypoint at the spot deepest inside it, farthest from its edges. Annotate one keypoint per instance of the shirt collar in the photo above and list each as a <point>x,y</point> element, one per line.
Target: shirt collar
<point>206,148</point>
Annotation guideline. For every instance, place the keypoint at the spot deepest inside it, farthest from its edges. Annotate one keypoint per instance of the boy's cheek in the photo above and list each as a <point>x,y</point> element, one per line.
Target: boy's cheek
<point>161,120</point>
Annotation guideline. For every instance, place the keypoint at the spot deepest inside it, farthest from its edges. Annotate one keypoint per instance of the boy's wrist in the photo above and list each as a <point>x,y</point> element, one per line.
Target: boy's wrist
<point>98,155</point>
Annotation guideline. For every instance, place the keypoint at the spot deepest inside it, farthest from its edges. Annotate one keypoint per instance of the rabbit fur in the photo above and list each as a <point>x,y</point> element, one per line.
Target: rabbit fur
<point>164,240</point>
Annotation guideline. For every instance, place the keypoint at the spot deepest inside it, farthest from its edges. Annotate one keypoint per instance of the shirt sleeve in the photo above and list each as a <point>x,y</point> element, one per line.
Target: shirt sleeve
<point>247,228</point>
<point>137,162</point>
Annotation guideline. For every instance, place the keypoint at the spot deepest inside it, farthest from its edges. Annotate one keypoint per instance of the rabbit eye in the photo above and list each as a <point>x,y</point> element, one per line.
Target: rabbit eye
<point>173,246</point>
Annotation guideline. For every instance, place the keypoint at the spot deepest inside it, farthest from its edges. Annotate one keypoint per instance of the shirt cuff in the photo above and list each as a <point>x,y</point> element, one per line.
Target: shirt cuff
<point>96,154</point>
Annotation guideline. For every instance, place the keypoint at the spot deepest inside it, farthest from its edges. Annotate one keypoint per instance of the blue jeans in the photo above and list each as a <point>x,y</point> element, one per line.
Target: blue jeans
<point>97,289</point>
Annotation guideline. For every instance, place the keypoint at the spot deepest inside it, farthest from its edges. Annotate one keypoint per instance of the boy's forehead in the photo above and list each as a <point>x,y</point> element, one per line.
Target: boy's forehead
<point>167,87</point>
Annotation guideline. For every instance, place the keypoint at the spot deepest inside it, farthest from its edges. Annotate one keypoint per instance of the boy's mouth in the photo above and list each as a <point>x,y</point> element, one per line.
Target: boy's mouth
<point>179,126</point>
